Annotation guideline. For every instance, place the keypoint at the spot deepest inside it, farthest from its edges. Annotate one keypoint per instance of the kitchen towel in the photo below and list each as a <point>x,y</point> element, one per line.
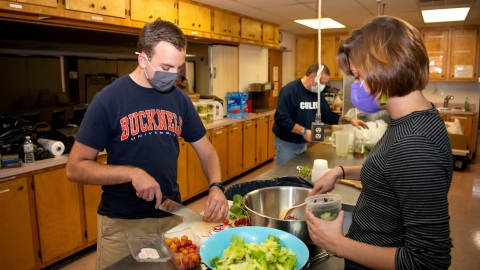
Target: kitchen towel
<point>54,147</point>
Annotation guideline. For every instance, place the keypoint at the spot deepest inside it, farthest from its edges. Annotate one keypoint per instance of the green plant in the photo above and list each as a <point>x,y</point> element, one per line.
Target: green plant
<point>304,172</point>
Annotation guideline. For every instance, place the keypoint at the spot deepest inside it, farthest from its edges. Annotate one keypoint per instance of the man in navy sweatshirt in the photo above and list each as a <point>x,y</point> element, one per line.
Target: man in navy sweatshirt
<point>296,110</point>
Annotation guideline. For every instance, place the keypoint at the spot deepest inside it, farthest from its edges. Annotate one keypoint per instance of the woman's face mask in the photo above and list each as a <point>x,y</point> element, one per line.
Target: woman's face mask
<point>362,100</point>
<point>316,88</point>
<point>161,81</point>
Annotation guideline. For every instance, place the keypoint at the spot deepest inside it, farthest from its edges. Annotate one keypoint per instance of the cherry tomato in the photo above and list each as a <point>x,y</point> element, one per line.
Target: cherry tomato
<point>225,221</point>
<point>184,238</point>
<point>193,246</point>
<point>178,260</point>
<point>173,246</point>
<point>168,241</point>
<point>189,243</point>
<point>176,240</point>
<point>195,258</point>
<point>185,260</point>
<point>185,251</point>
<point>182,244</point>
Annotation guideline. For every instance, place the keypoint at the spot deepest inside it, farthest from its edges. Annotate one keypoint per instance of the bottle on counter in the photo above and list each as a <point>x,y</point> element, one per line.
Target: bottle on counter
<point>337,104</point>
<point>466,105</point>
<point>28,150</point>
<point>358,147</point>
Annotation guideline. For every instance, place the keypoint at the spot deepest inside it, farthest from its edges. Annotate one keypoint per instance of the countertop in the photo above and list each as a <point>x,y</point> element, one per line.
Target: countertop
<point>319,151</point>
<point>8,174</point>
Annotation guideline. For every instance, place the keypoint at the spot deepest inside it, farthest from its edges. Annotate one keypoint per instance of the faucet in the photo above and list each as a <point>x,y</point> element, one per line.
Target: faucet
<point>445,101</point>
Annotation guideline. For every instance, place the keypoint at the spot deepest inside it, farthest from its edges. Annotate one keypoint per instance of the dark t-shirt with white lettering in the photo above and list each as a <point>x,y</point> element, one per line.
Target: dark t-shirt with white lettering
<point>139,127</point>
<point>297,105</point>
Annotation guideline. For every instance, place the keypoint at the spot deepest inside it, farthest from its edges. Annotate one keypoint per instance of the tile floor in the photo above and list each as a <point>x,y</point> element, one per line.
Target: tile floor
<point>464,198</point>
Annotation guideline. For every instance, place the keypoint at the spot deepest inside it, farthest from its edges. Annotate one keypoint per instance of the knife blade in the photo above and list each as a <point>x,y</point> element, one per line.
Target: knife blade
<point>175,208</point>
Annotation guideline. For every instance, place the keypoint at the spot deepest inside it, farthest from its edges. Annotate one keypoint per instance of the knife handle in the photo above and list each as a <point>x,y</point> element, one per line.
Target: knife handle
<point>351,183</point>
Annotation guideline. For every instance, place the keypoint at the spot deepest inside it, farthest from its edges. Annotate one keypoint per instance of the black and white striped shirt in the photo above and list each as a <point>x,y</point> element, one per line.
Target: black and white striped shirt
<point>404,203</point>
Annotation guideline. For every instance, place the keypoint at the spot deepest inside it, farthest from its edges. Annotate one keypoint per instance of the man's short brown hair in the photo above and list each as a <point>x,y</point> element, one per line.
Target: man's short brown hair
<point>314,68</point>
<point>389,54</point>
<point>159,30</point>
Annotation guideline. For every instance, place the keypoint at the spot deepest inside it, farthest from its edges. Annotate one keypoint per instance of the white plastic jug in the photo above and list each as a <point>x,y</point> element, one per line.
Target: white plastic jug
<point>217,110</point>
<point>340,142</point>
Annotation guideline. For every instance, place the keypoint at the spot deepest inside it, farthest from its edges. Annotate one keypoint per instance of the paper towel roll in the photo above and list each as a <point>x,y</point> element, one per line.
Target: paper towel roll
<point>54,147</point>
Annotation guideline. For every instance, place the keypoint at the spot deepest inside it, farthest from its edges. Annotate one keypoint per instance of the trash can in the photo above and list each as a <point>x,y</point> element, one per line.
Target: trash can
<point>244,188</point>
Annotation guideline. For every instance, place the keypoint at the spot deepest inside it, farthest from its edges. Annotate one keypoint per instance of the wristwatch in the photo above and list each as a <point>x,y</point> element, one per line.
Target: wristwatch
<point>217,184</point>
<point>304,131</point>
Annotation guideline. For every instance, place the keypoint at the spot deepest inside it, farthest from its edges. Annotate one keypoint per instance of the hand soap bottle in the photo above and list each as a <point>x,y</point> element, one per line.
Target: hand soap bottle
<point>466,105</point>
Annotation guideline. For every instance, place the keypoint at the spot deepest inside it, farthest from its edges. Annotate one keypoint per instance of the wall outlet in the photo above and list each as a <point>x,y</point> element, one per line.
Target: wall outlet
<point>318,132</point>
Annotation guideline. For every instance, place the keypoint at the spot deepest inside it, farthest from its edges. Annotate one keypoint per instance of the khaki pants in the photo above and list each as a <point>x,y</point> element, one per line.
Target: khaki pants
<point>112,243</point>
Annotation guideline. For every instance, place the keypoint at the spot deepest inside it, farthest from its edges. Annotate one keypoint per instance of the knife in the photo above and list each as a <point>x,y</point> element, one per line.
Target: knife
<point>175,208</point>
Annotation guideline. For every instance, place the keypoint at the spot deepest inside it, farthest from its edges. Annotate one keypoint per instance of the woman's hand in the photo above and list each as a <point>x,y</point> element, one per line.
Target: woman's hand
<point>325,234</point>
<point>327,182</point>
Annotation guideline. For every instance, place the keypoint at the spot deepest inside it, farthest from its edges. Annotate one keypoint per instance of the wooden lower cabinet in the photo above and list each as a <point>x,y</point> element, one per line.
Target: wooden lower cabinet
<point>16,247</point>
<point>469,124</point>
<point>249,136</point>
<point>261,148</point>
<point>220,143</point>
<point>271,152</point>
<point>59,211</point>
<point>235,150</point>
<point>91,199</point>
<point>182,179</point>
<point>197,182</point>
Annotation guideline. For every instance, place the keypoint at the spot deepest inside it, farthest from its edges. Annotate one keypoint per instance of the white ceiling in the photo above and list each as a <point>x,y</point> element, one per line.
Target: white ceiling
<point>351,13</point>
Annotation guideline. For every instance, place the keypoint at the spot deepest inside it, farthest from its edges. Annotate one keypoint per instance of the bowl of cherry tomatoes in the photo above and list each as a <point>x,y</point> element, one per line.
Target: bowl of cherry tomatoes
<point>184,248</point>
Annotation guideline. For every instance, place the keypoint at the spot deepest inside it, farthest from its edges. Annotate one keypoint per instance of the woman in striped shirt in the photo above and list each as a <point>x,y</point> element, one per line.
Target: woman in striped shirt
<point>401,219</point>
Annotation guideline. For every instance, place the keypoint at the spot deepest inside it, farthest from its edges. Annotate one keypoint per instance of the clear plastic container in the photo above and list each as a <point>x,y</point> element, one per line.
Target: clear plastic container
<point>28,149</point>
<point>325,206</point>
<point>141,248</point>
<point>182,261</point>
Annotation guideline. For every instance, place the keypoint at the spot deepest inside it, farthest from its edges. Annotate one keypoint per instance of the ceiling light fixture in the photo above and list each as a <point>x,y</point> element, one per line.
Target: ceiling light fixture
<point>326,23</point>
<point>445,15</point>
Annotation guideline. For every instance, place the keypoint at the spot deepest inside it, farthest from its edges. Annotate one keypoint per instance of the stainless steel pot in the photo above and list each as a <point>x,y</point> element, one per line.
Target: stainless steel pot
<point>265,204</point>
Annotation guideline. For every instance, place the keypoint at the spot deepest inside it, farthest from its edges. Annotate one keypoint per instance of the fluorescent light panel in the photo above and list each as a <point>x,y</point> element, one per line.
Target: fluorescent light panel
<point>445,15</point>
<point>326,23</point>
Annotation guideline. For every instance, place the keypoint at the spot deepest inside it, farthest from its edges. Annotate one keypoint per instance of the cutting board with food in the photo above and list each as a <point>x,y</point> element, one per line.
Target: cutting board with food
<point>236,217</point>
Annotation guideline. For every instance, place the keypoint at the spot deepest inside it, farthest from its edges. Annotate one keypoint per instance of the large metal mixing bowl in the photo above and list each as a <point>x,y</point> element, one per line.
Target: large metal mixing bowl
<point>265,204</point>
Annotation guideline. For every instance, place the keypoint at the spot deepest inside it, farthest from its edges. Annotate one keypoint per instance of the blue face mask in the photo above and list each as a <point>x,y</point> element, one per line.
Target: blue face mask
<point>315,88</point>
<point>362,100</point>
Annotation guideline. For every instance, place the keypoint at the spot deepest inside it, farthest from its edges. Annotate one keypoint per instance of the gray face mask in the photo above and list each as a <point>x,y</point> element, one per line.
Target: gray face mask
<point>161,81</point>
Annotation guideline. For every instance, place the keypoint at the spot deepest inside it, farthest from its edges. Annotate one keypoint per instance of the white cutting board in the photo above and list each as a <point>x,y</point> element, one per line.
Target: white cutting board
<point>200,228</point>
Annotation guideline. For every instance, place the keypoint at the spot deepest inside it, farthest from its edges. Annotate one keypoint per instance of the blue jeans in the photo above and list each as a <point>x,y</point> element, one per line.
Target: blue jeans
<point>287,150</point>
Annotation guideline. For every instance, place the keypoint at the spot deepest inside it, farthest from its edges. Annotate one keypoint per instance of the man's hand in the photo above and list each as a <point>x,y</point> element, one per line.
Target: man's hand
<point>358,123</point>
<point>308,135</point>
<point>146,187</point>
<point>216,206</point>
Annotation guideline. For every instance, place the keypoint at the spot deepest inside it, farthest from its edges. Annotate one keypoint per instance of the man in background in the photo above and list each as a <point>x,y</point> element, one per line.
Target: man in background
<point>296,110</point>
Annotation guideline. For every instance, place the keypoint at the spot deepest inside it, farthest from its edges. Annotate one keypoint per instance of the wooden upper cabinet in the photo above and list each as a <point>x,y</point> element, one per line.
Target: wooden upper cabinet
<point>305,54</point>
<point>463,54</point>
<point>269,33</point>
<point>251,29</point>
<point>194,17</point>
<point>436,43</point>
<point>328,54</point>
<point>226,24</point>
<point>150,10</point>
<point>115,8</point>
<point>47,3</point>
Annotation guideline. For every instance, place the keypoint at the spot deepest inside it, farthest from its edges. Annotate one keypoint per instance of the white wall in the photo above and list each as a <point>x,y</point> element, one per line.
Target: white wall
<point>253,66</point>
<point>288,57</point>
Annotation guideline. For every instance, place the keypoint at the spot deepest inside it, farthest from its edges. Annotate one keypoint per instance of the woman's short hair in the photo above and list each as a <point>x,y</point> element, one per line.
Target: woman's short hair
<point>159,30</point>
<point>389,54</point>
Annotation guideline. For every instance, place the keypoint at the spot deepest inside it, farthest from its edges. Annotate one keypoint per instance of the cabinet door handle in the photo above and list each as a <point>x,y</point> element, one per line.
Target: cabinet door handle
<point>93,5</point>
<point>151,16</point>
<point>219,132</point>
<point>104,7</point>
<point>193,24</point>
<point>199,25</point>
<point>20,188</point>
<point>4,191</point>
